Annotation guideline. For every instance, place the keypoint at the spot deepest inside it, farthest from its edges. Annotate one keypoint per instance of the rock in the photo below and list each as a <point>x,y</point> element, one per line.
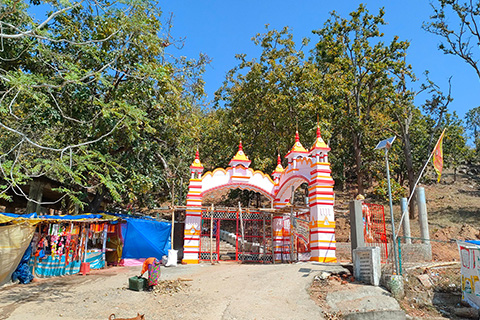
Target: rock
<point>324,275</point>
<point>425,280</point>
<point>394,284</point>
<point>470,313</point>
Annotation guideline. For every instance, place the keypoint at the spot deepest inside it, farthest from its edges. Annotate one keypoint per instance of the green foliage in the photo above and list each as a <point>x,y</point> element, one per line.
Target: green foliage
<point>473,124</point>
<point>91,99</point>
<point>381,190</point>
<point>363,73</point>
<point>263,99</point>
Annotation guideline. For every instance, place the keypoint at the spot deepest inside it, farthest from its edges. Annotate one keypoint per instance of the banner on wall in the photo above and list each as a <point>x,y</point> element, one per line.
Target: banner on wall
<point>470,270</point>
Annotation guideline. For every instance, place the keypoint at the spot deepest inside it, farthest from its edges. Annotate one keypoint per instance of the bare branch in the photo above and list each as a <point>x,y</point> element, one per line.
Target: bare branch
<point>40,26</point>
<point>62,150</point>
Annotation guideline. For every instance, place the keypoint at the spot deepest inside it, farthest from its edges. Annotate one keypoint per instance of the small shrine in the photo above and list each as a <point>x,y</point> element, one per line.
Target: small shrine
<point>304,166</point>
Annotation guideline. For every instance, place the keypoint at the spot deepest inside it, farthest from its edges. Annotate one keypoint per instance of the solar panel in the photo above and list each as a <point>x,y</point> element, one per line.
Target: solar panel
<point>385,143</point>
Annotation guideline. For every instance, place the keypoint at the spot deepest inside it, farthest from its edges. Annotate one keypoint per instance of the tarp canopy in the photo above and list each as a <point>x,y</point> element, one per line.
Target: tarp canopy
<point>145,238</point>
<point>34,218</point>
<point>477,242</point>
<point>14,240</point>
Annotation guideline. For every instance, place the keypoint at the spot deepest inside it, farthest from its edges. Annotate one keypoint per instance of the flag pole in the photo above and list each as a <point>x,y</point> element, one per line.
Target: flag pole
<point>415,185</point>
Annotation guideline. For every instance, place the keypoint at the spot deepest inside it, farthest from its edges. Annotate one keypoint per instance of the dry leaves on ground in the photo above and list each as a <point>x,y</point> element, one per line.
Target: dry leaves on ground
<point>171,286</point>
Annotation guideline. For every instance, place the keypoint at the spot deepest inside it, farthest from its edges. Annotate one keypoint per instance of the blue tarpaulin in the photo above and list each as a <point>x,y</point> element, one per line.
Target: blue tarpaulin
<point>23,273</point>
<point>145,238</point>
<point>473,241</point>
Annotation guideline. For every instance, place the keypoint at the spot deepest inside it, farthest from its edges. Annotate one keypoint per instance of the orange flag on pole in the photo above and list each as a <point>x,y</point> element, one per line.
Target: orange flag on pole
<point>438,156</point>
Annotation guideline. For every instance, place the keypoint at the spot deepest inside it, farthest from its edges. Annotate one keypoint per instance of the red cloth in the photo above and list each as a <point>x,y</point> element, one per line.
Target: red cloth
<point>146,263</point>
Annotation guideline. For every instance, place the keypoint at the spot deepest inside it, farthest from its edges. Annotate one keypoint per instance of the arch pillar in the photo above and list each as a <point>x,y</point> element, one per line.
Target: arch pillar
<point>193,215</point>
<point>322,218</point>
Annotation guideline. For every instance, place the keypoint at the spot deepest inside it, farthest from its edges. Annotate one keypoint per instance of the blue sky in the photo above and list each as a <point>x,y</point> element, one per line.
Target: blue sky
<point>222,29</point>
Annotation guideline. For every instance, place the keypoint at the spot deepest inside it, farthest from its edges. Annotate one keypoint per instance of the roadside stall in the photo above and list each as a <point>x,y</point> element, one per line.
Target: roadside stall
<point>71,244</point>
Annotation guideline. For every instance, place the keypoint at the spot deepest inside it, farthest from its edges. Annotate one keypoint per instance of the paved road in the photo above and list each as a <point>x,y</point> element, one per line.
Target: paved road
<point>224,291</point>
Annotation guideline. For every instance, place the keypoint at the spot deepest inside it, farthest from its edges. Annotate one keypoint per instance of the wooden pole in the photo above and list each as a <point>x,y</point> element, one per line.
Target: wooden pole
<point>241,225</point>
<point>264,231</point>
<point>292,199</point>
<point>173,214</point>
<point>173,227</point>
<point>86,229</point>
<point>272,239</point>
<point>211,234</point>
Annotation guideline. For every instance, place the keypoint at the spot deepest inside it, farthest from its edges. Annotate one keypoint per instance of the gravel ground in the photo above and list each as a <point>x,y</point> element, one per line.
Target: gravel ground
<point>222,291</point>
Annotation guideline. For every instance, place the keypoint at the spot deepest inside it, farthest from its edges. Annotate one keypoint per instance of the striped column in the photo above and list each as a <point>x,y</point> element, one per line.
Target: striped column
<point>277,225</point>
<point>193,222</point>
<point>322,219</point>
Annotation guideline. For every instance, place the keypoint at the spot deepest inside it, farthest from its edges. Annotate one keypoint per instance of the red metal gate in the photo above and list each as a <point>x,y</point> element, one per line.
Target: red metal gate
<point>234,235</point>
<point>374,228</point>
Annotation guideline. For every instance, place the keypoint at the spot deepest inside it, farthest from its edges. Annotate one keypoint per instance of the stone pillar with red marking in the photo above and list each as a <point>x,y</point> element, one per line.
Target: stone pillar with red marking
<point>321,200</point>
<point>193,215</point>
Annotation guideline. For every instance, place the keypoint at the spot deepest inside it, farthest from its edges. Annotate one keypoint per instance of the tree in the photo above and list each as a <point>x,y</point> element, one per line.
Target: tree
<point>367,73</point>
<point>455,143</point>
<point>90,98</point>
<point>457,22</point>
<point>473,123</point>
<point>262,100</point>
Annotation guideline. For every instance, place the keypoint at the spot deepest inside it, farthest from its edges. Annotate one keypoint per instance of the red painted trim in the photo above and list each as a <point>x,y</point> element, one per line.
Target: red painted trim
<point>321,203</point>
<point>323,231</point>
<point>193,186</point>
<point>191,251</point>
<point>311,194</point>
<point>322,248</point>
<point>321,170</point>
<point>316,180</point>
<point>191,238</point>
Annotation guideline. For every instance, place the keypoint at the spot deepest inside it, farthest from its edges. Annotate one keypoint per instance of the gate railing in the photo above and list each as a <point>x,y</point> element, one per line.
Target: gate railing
<point>226,228</point>
<point>375,231</point>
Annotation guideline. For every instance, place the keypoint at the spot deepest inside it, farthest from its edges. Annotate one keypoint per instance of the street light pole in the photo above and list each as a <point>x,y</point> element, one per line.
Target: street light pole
<point>387,144</point>
<point>391,209</point>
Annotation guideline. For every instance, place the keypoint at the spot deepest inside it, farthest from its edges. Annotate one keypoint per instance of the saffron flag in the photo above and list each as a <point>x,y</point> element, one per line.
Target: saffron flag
<point>438,156</point>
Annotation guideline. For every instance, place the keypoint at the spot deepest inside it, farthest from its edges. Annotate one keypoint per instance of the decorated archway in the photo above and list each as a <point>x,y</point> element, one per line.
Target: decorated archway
<point>303,166</point>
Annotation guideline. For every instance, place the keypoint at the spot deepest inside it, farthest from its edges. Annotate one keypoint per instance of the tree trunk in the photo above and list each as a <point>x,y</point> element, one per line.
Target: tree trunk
<point>357,150</point>
<point>36,194</point>
<point>94,206</point>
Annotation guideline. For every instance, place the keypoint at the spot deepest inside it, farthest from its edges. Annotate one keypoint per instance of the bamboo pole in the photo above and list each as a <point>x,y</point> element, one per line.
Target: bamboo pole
<point>173,215</point>
<point>272,241</point>
<point>241,225</point>
<point>292,199</point>
<point>264,231</point>
<point>173,228</point>
<point>211,234</point>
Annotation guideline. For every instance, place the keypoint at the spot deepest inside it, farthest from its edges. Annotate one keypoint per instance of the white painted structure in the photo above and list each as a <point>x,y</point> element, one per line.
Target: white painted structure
<point>311,167</point>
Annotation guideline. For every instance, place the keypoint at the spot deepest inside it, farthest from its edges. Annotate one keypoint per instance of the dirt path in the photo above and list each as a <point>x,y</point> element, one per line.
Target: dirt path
<point>225,291</point>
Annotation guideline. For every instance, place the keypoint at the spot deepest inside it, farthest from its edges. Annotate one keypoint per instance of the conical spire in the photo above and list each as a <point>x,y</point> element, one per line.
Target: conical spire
<point>297,149</point>
<point>196,163</point>
<point>319,145</point>
<point>240,158</point>
<point>279,169</point>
